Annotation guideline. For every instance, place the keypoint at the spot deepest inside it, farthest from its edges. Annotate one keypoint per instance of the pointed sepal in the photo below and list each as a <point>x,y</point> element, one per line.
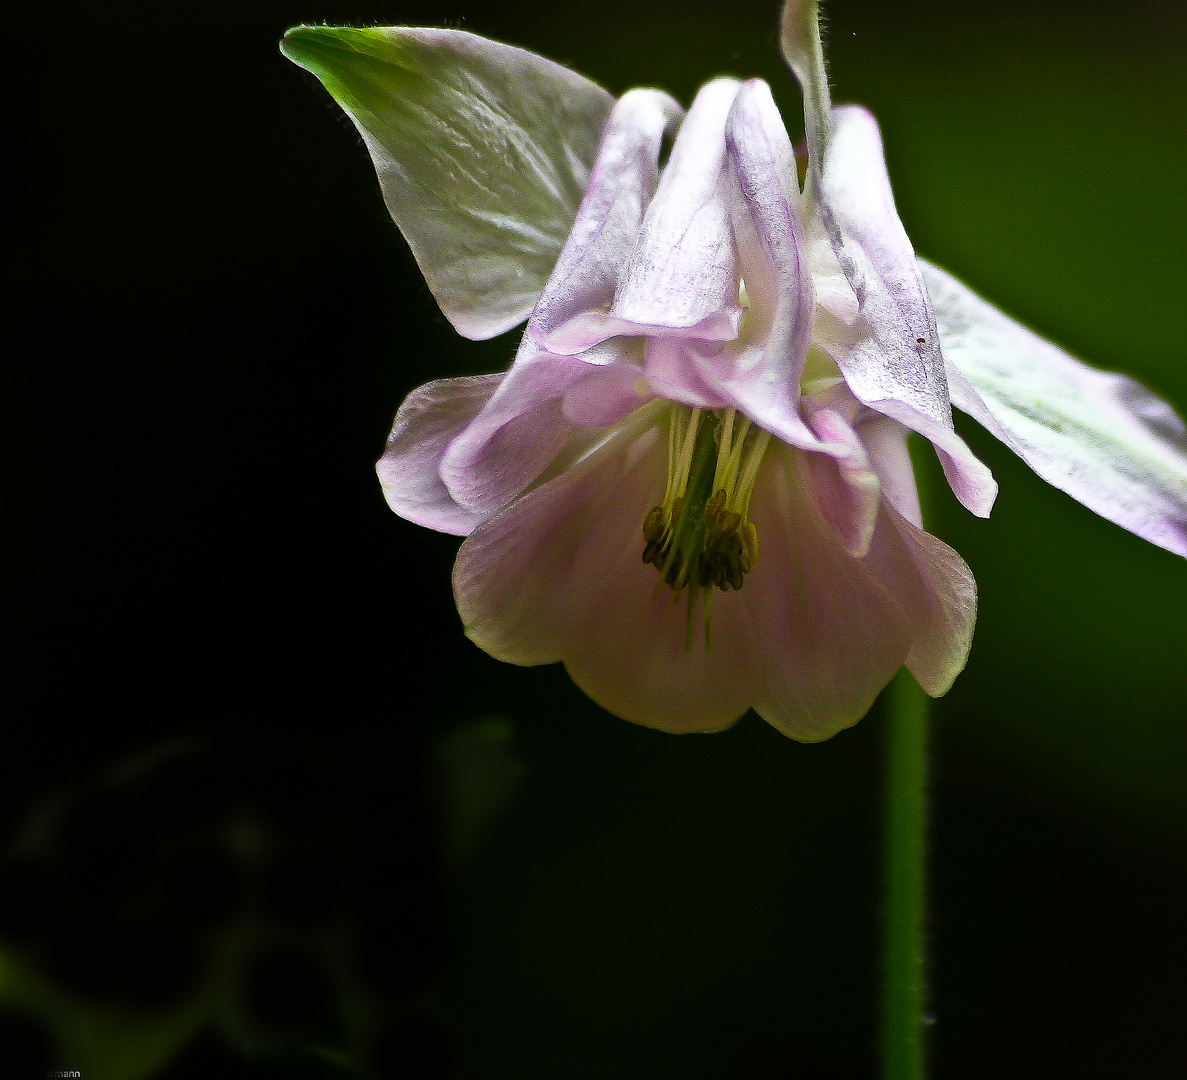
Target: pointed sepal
<point>483,151</point>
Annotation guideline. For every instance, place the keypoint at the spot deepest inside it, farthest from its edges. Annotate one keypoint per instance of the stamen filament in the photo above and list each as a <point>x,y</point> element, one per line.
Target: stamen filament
<point>699,538</point>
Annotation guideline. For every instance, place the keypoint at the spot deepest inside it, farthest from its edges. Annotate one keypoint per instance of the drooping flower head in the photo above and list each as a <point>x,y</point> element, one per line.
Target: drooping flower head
<point>692,485</point>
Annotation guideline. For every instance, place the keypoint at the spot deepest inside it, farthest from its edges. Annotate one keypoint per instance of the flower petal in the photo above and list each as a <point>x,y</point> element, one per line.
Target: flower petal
<point>620,189</point>
<point>935,587</point>
<point>764,369</point>
<point>516,435</point>
<point>430,419</point>
<point>897,368</point>
<point>845,489</point>
<point>605,396</point>
<point>886,443</point>
<point>630,649</point>
<point>483,152</point>
<point>830,634</point>
<point>683,271</point>
<point>1102,438</point>
<point>558,575</point>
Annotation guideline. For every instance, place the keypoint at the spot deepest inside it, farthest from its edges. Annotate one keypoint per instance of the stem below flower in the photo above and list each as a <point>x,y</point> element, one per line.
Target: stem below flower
<point>905,870</point>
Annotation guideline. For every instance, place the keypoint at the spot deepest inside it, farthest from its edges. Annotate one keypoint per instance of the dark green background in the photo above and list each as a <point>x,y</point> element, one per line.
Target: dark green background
<point>429,864</point>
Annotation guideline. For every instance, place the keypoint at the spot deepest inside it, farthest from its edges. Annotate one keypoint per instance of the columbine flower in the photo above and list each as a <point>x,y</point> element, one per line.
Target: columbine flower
<point>692,486</point>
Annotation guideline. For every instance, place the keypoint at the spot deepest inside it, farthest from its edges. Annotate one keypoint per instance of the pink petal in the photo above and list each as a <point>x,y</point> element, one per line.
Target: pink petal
<point>936,588</point>
<point>886,443</point>
<point>683,270</point>
<point>898,368</point>
<point>845,489</point>
<point>515,436</point>
<point>830,634</point>
<point>763,372</point>
<point>430,419</point>
<point>686,371</point>
<point>606,395</point>
<point>620,189</point>
<point>558,575</point>
<point>590,328</point>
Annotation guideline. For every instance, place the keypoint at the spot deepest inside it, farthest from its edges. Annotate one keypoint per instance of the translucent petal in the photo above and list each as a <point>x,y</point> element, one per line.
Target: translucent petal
<point>683,269</point>
<point>603,237</point>
<point>515,436</point>
<point>558,575</point>
<point>483,152</point>
<point>431,417</point>
<point>762,370</point>
<point>935,587</point>
<point>845,488</point>
<point>897,367</point>
<point>1102,438</point>
<point>830,633</point>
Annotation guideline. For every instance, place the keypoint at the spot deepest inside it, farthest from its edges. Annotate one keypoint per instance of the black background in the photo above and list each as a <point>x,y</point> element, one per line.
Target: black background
<point>234,675</point>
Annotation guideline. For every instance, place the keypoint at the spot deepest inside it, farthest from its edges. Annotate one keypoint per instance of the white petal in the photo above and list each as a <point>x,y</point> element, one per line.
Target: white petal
<point>844,488</point>
<point>897,368</point>
<point>483,152</point>
<point>683,270</point>
<point>762,372</point>
<point>620,189</point>
<point>1102,438</point>
<point>886,442</point>
<point>516,435</point>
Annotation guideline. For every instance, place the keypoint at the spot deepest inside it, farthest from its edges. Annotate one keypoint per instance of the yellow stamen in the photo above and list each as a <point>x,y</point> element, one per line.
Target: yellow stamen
<point>700,537</point>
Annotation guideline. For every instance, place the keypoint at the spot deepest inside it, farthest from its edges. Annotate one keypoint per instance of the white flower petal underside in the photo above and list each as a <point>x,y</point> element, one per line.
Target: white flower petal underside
<point>631,649</point>
<point>431,417</point>
<point>829,633</point>
<point>483,152</point>
<point>885,441</point>
<point>897,368</point>
<point>513,577</point>
<point>1104,439</point>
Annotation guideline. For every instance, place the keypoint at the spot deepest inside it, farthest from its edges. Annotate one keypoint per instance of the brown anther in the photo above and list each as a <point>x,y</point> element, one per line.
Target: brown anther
<point>653,526</point>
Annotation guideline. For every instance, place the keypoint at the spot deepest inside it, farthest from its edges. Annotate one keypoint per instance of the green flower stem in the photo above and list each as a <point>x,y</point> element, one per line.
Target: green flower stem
<point>905,872</point>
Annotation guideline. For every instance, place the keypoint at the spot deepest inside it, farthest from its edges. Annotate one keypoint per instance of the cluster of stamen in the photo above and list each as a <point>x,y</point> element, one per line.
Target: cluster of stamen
<point>700,537</point>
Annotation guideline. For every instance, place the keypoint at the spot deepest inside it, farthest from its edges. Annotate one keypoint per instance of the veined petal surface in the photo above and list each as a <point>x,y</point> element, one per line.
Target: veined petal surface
<point>483,152</point>
<point>558,576</point>
<point>830,633</point>
<point>897,367</point>
<point>1104,439</point>
<point>683,270</point>
<point>620,189</point>
<point>428,422</point>
<point>768,361</point>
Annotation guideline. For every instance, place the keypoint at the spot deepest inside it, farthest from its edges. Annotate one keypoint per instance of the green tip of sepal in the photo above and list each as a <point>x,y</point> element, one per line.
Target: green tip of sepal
<point>359,67</point>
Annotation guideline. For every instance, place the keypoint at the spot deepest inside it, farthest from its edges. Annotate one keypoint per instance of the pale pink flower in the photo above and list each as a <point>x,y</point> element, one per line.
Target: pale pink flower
<point>692,485</point>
